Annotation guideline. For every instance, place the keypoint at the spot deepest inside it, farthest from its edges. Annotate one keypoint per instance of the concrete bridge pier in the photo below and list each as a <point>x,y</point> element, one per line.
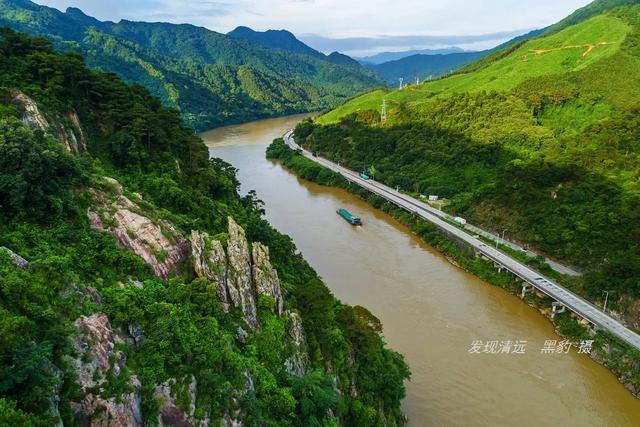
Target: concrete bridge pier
<point>499,267</point>
<point>557,308</point>
<point>526,288</point>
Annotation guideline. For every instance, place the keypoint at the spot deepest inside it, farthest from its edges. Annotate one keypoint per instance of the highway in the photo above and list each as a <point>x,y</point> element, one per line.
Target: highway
<point>567,298</point>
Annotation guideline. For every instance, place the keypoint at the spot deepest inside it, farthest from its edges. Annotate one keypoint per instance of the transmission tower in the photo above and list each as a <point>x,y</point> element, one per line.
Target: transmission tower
<point>417,81</point>
<point>401,80</point>
<point>383,112</point>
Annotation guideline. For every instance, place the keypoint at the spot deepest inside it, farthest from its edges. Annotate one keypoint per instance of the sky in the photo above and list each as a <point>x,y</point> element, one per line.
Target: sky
<point>355,27</point>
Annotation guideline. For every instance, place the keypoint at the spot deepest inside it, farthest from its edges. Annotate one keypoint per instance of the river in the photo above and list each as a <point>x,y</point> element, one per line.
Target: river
<point>431,310</point>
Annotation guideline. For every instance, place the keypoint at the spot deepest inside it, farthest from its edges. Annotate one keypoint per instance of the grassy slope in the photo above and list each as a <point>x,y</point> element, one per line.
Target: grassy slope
<point>507,73</point>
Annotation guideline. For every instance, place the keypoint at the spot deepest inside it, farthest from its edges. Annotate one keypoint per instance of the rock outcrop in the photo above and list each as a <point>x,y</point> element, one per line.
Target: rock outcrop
<point>96,360</point>
<point>157,242</point>
<point>210,261</point>
<point>296,363</point>
<point>16,259</point>
<point>31,114</point>
<point>171,413</point>
<point>70,135</point>
<point>240,274</point>
<point>239,280</point>
<point>265,277</point>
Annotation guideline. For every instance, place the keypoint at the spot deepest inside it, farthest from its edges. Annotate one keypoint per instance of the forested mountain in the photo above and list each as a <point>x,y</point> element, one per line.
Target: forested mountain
<point>424,66</point>
<point>138,288</point>
<point>540,138</point>
<point>278,39</point>
<point>212,78</point>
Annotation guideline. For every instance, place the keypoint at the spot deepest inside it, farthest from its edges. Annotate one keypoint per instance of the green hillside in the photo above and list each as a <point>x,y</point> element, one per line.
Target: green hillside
<point>211,78</point>
<point>111,311</point>
<point>540,139</point>
<point>569,50</point>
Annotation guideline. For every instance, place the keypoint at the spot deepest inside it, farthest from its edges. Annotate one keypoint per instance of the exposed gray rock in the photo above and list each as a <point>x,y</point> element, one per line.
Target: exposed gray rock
<point>113,185</point>
<point>241,335</point>
<point>71,137</point>
<point>239,274</point>
<point>210,261</point>
<point>91,294</point>
<point>232,418</point>
<point>227,421</point>
<point>136,332</point>
<point>96,356</point>
<point>80,141</point>
<point>171,414</point>
<point>16,259</point>
<point>54,399</point>
<point>265,277</point>
<point>296,363</point>
<point>157,242</point>
<point>31,114</point>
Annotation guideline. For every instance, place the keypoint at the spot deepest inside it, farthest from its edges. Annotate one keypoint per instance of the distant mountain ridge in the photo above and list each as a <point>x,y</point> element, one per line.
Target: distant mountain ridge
<point>212,78</point>
<point>382,57</point>
<point>424,67</point>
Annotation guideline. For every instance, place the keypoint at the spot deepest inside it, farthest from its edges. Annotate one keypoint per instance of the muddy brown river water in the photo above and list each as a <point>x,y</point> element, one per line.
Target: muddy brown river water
<point>431,310</point>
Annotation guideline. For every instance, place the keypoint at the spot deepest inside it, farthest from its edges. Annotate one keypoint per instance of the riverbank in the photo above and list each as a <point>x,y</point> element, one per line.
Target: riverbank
<point>618,357</point>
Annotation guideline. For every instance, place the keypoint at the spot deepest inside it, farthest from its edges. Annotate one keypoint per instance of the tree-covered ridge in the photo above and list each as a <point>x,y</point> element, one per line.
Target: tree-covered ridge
<point>212,78</point>
<point>159,334</point>
<point>279,39</point>
<point>549,151</point>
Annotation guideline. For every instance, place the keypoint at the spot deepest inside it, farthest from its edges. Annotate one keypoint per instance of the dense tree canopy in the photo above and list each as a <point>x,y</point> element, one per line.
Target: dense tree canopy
<point>44,197</point>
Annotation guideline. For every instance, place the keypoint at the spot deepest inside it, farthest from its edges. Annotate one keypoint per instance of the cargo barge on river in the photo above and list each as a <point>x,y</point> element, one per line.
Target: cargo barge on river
<point>351,219</point>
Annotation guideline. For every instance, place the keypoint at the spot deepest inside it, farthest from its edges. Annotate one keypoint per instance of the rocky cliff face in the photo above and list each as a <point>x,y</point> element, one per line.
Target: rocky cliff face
<point>210,261</point>
<point>70,134</point>
<point>239,283</point>
<point>171,413</point>
<point>296,364</point>
<point>240,275</point>
<point>265,277</point>
<point>157,242</point>
<point>96,360</point>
